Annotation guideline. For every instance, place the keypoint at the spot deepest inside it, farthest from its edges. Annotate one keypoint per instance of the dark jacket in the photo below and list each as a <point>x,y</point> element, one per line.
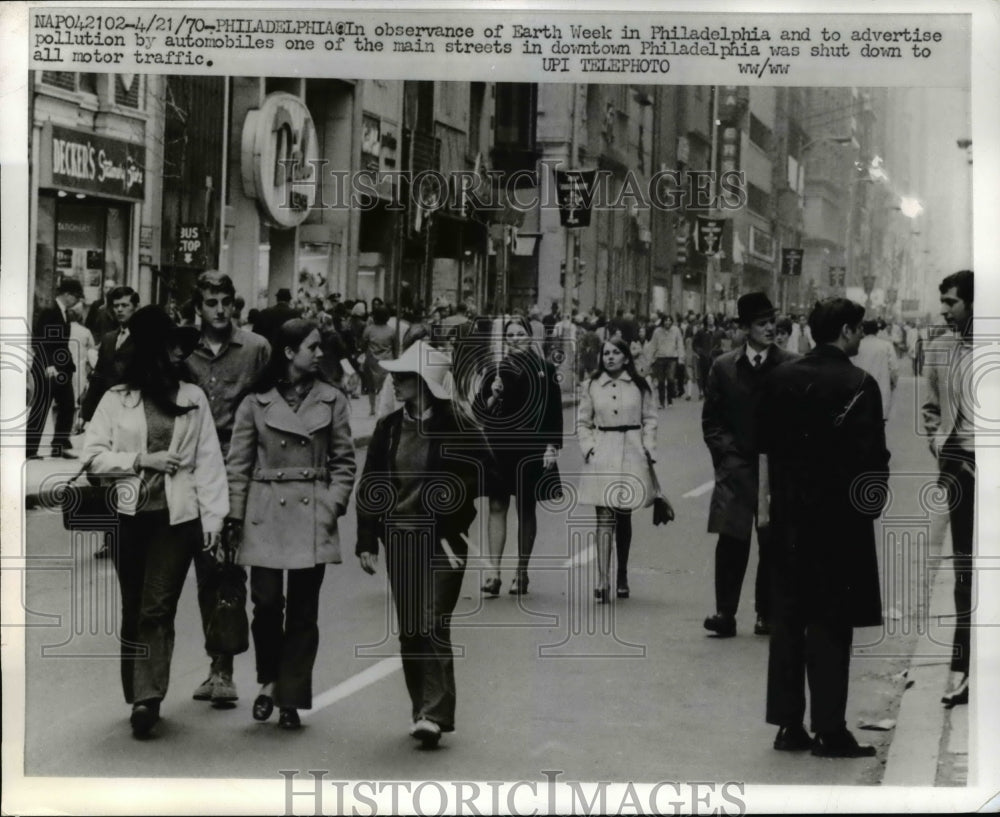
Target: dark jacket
<point>110,368</point>
<point>269,320</point>
<point>821,427</point>
<point>529,414</point>
<point>728,423</point>
<point>50,340</point>
<point>456,472</point>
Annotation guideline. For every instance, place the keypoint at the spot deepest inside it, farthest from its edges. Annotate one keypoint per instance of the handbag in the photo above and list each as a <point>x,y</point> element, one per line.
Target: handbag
<point>88,507</point>
<point>227,630</point>
<point>663,511</point>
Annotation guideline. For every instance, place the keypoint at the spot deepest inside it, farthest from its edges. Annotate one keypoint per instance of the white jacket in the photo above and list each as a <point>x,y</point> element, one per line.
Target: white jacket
<point>117,435</point>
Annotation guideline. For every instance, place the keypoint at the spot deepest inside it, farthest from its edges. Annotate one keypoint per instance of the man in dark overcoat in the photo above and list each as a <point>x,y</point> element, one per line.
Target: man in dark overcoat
<point>114,351</point>
<point>728,423</point>
<point>52,369</point>
<point>821,430</point>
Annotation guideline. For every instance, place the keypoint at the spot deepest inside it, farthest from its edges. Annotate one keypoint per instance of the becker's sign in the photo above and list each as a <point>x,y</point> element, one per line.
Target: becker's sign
<point>276,160</point>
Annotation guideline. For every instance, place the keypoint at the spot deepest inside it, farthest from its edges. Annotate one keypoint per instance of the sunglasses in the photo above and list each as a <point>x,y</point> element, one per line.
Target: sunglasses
<point>211,303</point>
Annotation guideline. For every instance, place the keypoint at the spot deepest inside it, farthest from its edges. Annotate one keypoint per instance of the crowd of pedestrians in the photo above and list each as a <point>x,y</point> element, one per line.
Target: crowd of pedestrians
<point>232,435</point>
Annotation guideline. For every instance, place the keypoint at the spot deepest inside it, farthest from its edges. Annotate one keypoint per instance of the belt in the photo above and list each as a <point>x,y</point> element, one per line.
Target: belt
<point>290,474</point>
<point>619,428</point>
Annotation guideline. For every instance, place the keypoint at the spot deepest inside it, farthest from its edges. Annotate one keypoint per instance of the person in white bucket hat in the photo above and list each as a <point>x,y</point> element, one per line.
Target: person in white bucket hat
<point>424,471</point>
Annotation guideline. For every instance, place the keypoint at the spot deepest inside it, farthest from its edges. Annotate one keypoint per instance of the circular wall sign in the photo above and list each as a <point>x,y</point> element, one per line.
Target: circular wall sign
<point>277,159</point>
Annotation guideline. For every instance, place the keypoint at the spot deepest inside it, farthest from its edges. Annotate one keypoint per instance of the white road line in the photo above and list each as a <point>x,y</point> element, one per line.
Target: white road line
<point>701,489</point>
<point>367,677</point>
<point>583,557</point>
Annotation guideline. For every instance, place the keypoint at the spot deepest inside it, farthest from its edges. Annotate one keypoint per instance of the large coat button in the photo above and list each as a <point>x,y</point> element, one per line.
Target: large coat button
<point>284,443</point>
<point>281,501</point>
<point>305,500</point>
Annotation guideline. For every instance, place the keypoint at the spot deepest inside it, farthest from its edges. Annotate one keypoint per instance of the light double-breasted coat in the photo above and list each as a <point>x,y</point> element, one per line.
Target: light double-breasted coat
<point>616,474</point>
<point>290,476</point>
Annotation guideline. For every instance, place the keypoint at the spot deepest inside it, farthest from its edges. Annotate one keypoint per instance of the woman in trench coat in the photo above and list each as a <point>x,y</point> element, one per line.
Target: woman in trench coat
<point>616,427</point>
<point>291,470</point>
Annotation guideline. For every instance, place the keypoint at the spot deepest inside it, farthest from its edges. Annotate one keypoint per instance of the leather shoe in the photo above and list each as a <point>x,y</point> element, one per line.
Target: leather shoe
<point>491,587</point>
<point>263,706</point>
<point>145,714</point>
<point>723,626</point>
<point>602,594</point>
<point>761,627</point>
<point>519,587</point>
<point>66,455</point>
<point>622,591</point>
<point>840,744</point>
<point>957,696</point>
<point>793,739</point>
<point>288,718</point>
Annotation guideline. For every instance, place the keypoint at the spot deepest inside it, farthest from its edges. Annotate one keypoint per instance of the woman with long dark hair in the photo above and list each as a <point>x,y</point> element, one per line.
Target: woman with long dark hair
<point>616,426</point>
<point>520,410</point>
<point>423,473</point>
<point>155,436</point>
<point>291,470</point>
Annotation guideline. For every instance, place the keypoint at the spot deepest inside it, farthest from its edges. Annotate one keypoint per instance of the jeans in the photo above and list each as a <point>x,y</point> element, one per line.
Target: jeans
<point>425,589</point>
<point>152,560</point>
<point>286,639</point>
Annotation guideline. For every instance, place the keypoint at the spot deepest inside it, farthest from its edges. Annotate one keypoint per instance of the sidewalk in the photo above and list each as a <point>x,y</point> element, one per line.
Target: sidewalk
<point>930,746</point>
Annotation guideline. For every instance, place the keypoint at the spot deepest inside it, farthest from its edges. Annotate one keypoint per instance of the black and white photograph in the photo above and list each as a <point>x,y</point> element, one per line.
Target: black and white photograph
<point>474,410</point>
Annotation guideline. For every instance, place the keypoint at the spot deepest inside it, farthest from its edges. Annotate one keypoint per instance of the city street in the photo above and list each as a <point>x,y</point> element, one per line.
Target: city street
<point>632,691</point>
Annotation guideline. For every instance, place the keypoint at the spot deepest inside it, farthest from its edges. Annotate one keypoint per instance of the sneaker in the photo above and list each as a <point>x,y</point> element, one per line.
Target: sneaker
<point>224,690</point>
<point>204,691</point>
<point>427,732</point>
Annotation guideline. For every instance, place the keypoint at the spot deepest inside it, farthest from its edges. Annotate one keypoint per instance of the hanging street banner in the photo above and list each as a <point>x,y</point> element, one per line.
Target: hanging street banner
<point>791,261</point>
<point>708,236</point>
<point>575,193</point>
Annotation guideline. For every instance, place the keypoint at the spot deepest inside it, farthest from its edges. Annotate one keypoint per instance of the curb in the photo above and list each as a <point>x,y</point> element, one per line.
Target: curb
<point>928,738</point>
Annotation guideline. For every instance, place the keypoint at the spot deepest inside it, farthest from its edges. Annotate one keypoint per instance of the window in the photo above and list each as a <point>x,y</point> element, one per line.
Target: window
<point>70,81</point>
<point>127,90</point>
<point>758,200</point>
<point>760,134</point>
<point>515,114</point>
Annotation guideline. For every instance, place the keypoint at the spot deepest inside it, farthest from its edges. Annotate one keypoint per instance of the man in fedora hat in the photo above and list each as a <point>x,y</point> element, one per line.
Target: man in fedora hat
<point>728,424</point>
<point>53,368</point>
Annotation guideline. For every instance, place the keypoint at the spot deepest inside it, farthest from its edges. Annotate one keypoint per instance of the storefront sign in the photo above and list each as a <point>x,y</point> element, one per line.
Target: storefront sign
<point>277,160</point>
<point>84,162</point>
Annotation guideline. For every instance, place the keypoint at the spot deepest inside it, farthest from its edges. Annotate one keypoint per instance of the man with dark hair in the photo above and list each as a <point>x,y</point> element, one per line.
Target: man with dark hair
<point>268,320</point>
<point>114,350</point>
<point>728,420</point>
<point>100,317</point>
<point>823,440</point>
<point>225,364</point>
<point>52,370</point>
<point>949,413</point>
